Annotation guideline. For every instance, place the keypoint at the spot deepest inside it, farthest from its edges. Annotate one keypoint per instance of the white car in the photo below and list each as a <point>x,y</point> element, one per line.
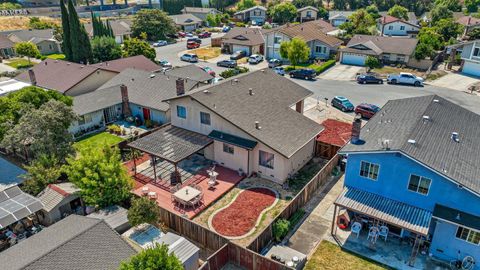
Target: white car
<point>189,57</point>
<point>255,59</point>
<point>405,78</point>
<point>160,43</point>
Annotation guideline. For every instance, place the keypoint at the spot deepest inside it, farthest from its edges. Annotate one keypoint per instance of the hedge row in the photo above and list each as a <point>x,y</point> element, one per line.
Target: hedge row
<point>318,68</point>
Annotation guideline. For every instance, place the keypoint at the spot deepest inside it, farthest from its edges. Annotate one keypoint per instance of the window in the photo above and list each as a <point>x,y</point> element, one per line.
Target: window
<point>205,118</point>
<point>85,119</point>
<point>476,52</point>
<point>369,170</point>
<point>228,148</point>
<point>468,235</point>
<point>318,49</point>
<point>402,27</point>
<point>266,159</point>
<point>390,27</point>
<point>419,184</point>
<point>400,58</point>
<point>277,40</point>
<point>181,112</point>
<point>309,14</point>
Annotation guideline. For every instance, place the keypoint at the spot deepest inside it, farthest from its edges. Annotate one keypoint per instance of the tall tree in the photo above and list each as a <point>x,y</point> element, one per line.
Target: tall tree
<point>296,51</point>
<point>440,12</point>
<point>154,258</point>
<point>100,175</point>
<point>448,29</point>
<point>27,49</point>
<point>105,49</point>
<point>143,210</point>
<point>135,46</point>
<point>66,42</point>
<point>360,22</point>
<point>81,48</point>
<point>155,23</point>
<point>472,5</point>
<point>452,5</point>
<point>283,13</point>
<point>43,171</point>
<point>399,12</point>
<point>100,28</point>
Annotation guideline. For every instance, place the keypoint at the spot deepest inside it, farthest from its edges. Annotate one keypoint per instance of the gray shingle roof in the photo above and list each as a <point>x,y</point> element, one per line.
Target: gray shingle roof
<point>181,247</point>
<point>143,89</point>
<point>376,45</point>
<point>402,120</point>
<point>75,242</point>
<point>192,72</point>
<point>54,194</point>
<point>27,35</point>
<point>244,36</point>
<point>185,19</point>
<point>119,27</point>
<point>199,10</point>
<point>115,216</point>
<point>282,129</point>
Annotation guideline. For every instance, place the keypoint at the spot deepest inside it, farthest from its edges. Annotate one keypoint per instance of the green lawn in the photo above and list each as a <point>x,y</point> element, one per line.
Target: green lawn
<point>330,257</point>
<point>57,56</point>
<point>96,140</point>
<point>18,63</point>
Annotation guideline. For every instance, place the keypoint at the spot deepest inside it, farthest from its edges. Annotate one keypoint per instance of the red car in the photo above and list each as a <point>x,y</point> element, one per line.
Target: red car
<point>192,45</point>
<point>366,110</point>
<point>205,35</point>
<point>181,34</point>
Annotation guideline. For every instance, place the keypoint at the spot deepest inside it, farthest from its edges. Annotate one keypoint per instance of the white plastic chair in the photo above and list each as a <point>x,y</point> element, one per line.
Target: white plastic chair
<point>383,232</point>
<point>356,228</point>
<point>373,233</point>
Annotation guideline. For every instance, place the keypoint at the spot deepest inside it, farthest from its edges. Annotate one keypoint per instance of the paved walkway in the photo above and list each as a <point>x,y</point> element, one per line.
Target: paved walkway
<point>318,222</point>
<point>455,81</point>
<point>341,72</point>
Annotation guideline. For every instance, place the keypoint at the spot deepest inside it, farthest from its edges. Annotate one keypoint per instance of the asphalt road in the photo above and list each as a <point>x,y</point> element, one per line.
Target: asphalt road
<point>380,94</point>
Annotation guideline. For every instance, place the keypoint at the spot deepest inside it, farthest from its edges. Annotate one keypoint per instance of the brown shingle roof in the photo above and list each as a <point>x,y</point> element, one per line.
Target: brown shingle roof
<point>244,36</point>
<point>313,30</point>
<point>468,20</point>
<point>136,62</point>
<point>5,43</point>
<point>377,45</point>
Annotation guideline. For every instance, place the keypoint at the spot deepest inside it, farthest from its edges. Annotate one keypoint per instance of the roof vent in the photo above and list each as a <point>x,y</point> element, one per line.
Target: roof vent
<point>132,79</point>
<point>426,118</point>
<point>206,91</point>
<point>455,137</point>
<point>250,92</point>
<point>152,76</point>
<point>436,101</point>
<point>257,125</point>
<point>234,81</point>
<point>411,141</point>
<point>56,61</point>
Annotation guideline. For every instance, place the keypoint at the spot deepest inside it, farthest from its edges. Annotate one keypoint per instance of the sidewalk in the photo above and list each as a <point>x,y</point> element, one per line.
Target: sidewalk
<point>319,220</point>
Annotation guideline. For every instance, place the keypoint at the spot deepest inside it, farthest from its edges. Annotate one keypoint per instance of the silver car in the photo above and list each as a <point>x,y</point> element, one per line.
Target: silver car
<point>189,57</point>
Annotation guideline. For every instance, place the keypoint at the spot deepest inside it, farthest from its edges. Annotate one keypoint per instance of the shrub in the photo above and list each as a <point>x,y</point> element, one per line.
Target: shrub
<point>289,68</point>
<point>114,129</point>
<point>324,66</point>
<point>240,24</point>
<point>233,72</point>
<point>280,229</point>
<point>24,66</point>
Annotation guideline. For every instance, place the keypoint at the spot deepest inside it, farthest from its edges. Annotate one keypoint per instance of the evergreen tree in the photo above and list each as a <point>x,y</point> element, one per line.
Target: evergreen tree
<point>81,48</point>
<point>66,45</point>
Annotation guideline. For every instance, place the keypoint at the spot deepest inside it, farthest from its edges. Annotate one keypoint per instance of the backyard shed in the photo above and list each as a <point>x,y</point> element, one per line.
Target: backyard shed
<point>288,256</point>
<point>185,251</point>
<point>59,200</point>
<point>115,216</point>
<point>335,135</point>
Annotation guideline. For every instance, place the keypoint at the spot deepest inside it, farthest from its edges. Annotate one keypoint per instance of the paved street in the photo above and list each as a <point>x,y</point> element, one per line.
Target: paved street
<point>380,94</point>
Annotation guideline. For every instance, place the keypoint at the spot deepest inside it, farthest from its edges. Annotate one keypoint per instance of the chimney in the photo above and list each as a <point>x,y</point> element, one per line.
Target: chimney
<point>31,74</point>
<point>299,106</point>
<point>455,137</point>
<point>180,83</point>
<point>257,125</point>
<point>356,127</point>
<point>45,62</point>
<point>125,101</point>
<point>250,92</point>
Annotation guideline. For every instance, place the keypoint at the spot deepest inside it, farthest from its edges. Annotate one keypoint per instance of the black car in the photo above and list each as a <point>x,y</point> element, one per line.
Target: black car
<point>304,73</point>
<point>194,39</point>
<point>227,63</point>
<point>238,55</point>
<point>368,78</point>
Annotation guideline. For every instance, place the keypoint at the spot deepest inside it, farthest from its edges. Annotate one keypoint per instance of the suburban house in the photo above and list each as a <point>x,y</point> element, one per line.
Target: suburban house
<point>338,17</point>
<point>321,45</point>
<point>7,49</point>
<point>200,12</point>
<point>306,14</point>
<point>78,79</point>
<point>187,22</point>
<point>391,26</point>
<point>44,39</point>
<point>249,40</point>
<point>387,49</point>
<point>136,93</point>
<point>121,29</point>
<point>414,168</point>
<point>471,58</point>
<point>76,242</point>
<point>469,23</point>
<point>59,201</point>
<point>256,14</point>
<point>236,123</point>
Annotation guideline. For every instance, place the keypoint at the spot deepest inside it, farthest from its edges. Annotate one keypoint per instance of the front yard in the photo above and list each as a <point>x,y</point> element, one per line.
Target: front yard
<point>206,53</point>
<point>385,70</point>
<point>19,63</point>
<point>96,140</point>
<point>330,256</point>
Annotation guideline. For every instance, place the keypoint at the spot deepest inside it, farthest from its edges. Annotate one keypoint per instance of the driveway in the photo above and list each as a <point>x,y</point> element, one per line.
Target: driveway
<point>455,81</point>
<point>341,72</point>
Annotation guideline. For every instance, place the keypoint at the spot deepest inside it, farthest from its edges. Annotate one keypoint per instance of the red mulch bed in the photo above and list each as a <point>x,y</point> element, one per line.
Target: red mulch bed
<point>240,217</point>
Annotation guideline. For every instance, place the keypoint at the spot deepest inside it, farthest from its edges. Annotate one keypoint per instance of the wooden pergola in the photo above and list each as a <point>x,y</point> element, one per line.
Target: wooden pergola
<point>172,144</point>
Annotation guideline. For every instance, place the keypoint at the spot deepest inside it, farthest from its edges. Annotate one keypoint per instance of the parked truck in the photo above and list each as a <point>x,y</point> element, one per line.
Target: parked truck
<point>405,78</point>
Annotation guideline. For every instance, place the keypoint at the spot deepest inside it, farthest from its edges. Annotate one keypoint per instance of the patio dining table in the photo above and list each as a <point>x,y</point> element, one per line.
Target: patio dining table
<point>187,193</point>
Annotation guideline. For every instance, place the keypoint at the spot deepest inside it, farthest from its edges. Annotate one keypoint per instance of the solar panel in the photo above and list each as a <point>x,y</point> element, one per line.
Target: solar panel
<point>16,205</point>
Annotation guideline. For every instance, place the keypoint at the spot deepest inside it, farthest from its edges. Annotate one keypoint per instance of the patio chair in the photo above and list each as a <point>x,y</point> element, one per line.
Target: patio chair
<point>383,232</point>
<point>356,228</point>
<point>373,233</point>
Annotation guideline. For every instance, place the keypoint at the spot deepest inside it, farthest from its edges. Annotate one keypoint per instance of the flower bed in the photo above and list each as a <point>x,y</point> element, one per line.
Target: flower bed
<point>241,216</point>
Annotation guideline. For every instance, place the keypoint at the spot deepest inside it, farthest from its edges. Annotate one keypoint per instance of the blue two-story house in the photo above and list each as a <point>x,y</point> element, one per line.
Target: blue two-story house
<point>415,166</point>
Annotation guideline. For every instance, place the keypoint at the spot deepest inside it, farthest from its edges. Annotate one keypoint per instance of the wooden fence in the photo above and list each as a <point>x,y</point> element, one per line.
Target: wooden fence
<point>307,192</point>
<point>239,256</point>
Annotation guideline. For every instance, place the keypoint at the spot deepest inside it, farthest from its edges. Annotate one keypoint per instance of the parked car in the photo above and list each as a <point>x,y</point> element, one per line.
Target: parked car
<point>405,78</point>
<point>189,35</point>
<point>304,73</point>
<point>160,43</point>
<point>205,34</point>
<point>255,59</point>
<point>279,70</point>
<point>217,80</point>
<point>342,103</point>
<point>226,29</point>
<point>366,110</point>
<point>173,36</point>
<point>238,55</point>
<point>195,39</point>
<point>192,45</point>
<point>189,57</point>
<point>209,71</point>
<point>368,78</point>
<point>165,63</point>
<point>274,63</point>
<point>227,63</point>
<point>182,34</point>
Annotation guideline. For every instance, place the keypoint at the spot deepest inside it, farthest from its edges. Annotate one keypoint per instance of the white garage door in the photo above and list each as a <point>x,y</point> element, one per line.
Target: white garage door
<point>353,59</point>
<point>471,68</point>
<point>241,48</point>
